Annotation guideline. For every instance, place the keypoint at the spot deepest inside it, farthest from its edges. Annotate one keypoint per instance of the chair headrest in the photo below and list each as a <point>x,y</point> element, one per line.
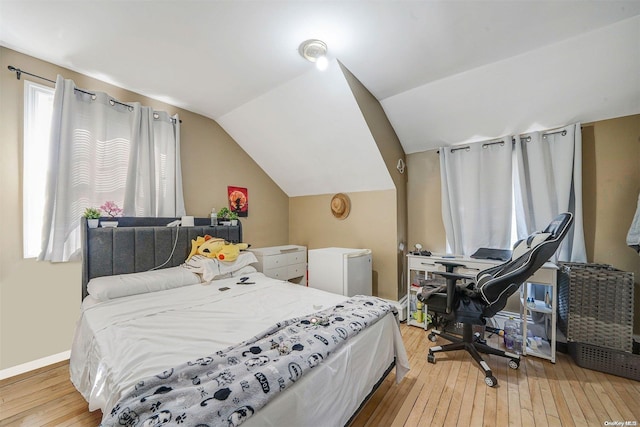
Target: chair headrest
<point>530,242</point>
<point>496,284</point>
<point>559,224</point>
<point>556,229</point>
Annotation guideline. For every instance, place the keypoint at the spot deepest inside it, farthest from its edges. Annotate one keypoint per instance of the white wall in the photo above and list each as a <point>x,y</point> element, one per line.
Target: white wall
<point>310,136</point>
<point>594,76</point>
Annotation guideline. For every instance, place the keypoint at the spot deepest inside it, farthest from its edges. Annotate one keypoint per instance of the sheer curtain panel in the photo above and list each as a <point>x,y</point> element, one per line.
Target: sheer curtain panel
<point>102,150</point>
<point>154,177</point>
<point>477,196</point>
<point>549,182</point>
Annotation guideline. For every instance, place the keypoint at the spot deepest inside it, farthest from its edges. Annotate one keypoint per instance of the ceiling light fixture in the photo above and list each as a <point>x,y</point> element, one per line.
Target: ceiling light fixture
<point>315,51</point>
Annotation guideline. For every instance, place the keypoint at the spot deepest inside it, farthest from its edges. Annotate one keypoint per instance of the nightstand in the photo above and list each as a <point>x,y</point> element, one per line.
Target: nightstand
<point>288,262</point>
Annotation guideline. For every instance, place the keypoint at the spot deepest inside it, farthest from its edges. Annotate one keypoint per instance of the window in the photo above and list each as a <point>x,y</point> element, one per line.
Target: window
<point>38,108</point>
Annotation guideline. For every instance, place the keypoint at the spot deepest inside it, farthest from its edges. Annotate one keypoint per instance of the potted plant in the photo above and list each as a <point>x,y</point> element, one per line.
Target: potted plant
<point>93,217</point>
<point>113,211</point>
<point>223,216</point>
<point>233,216</point>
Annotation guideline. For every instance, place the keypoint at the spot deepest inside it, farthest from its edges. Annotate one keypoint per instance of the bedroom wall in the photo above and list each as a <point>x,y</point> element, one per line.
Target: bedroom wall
<point>370,224</point>
<point>611,183</point>
<point>39,301</point>
<point>378,219</point>
<point>424,202</point>
<point>391,150</point>
<point>611,186</point>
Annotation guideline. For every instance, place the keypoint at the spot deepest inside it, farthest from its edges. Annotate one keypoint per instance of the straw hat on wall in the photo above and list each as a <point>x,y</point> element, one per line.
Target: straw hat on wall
<point>340,206</point>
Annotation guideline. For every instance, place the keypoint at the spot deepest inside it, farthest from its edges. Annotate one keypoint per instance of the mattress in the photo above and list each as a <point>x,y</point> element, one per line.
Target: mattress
<point>119,341</point>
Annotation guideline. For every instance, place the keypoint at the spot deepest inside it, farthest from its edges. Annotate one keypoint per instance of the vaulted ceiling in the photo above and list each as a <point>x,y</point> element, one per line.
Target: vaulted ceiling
<point>445,72</point>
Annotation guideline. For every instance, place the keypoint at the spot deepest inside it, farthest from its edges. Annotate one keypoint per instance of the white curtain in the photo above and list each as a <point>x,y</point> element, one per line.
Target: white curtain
<point>549,182</point>
<point>477,196</point>
<point>154,177</point>
<point>103,151</point>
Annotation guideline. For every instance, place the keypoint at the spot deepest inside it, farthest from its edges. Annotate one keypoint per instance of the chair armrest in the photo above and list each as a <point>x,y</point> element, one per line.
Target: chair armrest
<point>452,278</point>
<point>450,265</point>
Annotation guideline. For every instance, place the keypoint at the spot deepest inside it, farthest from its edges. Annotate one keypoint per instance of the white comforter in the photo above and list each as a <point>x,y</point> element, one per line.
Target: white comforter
<point>120,341</point>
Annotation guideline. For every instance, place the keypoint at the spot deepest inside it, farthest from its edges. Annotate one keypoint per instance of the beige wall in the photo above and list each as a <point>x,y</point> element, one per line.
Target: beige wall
<point>312,224</point>
<point>39,301</point>
<point>424,202</point>
<point>611,183</point>
<point>391,150</point>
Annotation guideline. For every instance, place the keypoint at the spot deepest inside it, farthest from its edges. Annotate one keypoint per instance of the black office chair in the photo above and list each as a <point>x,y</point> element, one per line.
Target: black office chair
<point>471,304</point>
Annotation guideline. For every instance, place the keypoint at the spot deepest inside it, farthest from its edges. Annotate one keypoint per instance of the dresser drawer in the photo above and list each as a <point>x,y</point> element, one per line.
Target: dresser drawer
<point>282,262</point>
<point>296,257</point>
<point>281,273</point>
<point>296,270</point>
<point>274,261</point>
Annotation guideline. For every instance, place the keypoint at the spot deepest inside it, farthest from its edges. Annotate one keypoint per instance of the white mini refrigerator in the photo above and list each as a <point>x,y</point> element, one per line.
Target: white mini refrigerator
<point>341,270</point>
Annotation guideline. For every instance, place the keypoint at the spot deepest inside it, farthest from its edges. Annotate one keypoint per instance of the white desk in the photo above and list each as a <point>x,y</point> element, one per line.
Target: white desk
<point>420,268</point>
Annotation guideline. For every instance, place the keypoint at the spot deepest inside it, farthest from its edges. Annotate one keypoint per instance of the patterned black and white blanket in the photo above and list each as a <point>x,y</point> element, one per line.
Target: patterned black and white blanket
<point>226,388</point>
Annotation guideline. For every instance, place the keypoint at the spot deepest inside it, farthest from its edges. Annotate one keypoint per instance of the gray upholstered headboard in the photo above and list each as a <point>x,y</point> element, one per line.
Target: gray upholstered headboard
<point>142,243</point>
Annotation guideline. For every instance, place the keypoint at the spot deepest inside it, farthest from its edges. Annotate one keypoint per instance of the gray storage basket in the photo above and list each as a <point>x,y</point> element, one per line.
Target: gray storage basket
<point>606,360</point>
<point>595,305</point>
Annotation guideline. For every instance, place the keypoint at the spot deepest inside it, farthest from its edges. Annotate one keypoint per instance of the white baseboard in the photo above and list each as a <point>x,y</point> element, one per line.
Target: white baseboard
<point>35,364</point>
<point>401,306</point>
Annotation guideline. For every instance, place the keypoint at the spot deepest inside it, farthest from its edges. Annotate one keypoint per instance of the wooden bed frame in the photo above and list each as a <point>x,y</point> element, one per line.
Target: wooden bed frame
<point>141,244</point>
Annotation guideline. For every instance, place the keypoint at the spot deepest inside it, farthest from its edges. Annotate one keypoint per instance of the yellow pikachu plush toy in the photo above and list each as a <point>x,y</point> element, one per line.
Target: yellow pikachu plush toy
<point>213,247</point>
<point>230,251</point>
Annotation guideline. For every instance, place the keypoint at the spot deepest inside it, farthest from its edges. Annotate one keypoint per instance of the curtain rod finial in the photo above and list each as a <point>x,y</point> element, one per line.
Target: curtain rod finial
<point>17,70</point>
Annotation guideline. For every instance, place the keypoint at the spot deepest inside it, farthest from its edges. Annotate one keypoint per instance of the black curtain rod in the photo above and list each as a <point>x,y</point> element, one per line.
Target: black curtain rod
<point>513,141</point>
<point>466,148</point>
<point>487,144</point>
<point>20,72</point>
<point>527,139</point>
<point>563,132</point>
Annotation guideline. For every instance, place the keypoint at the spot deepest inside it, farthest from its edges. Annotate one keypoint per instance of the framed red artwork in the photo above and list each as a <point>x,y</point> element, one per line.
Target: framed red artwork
<point>238,200</point>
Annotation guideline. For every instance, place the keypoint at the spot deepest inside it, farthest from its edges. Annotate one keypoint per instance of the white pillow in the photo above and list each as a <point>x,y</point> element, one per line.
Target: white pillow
<point>110,287</point>
<point>244,270</point>
<point>213,269</point>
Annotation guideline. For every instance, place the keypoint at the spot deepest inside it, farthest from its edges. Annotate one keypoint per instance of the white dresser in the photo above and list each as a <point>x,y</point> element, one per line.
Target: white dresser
<point>288,262</point>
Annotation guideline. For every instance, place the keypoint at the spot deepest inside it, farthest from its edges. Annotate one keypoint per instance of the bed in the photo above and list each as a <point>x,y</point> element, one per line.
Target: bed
<point>137,325</point>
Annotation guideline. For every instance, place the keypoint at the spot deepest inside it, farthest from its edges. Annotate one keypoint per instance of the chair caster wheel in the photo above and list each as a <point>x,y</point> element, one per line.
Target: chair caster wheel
<point>491,381</point>
<point>514,363</point>
<point>432,337</point>
<point>431,358</point>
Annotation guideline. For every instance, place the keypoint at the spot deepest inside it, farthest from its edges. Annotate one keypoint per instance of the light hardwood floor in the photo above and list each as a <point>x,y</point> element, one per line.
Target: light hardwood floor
<point>449,393</point>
